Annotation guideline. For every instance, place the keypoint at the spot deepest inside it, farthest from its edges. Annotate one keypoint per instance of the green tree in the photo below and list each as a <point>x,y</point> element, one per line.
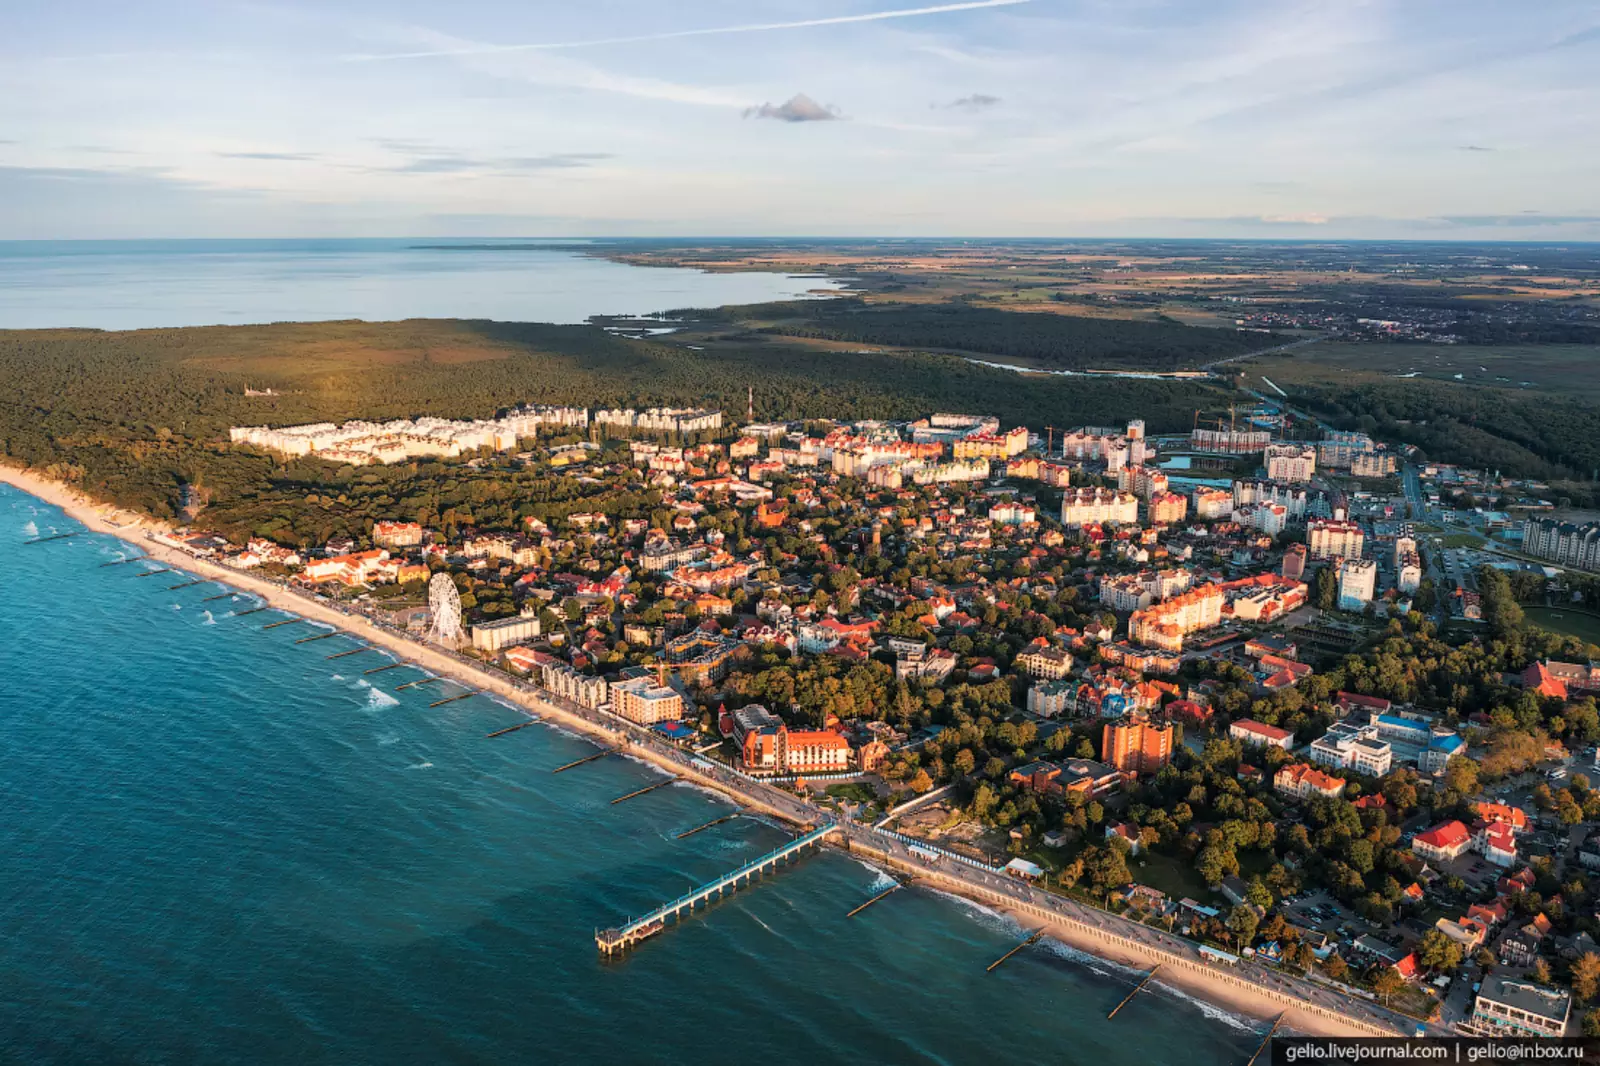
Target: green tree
<point>1242,922</point>
<point>1586,976</point>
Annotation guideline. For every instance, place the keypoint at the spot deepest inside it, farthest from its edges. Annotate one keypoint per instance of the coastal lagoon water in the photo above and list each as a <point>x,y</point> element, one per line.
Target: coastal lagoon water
<point>219,846</point>
<point>144,284</point>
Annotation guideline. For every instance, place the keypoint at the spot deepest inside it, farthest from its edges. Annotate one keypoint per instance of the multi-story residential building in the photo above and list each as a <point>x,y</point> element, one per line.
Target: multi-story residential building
<point>999,446</point>
<point>920,663</point>
<point>1358,583</point>
<point>1339,448</point>
<point>1132,592</point>
<point>1013,514</point>
<point>1509,1007</point>
<point>1302,782</point>
<point>1294,562</point>
<point>1090,506</point>
<point>1164,625</point>
<point>1328,538</point>
<point>1168,508</point>
<point>585,690</point>
<point>1230,441</point>
<point>1143,481</point>
<point>1138,744</point>
<point>1291,462</point>
<point>1047,662</point>
<point>1373,464</point>
<point>504,632</point>
<point>1300,502</point>
<point>644,701</point>
<point>1049,699</point>
<point>1562,543</point>
<point>1269,518</point>
<point>1256,734</point>
<point>662,419</point>
<point>1442,843</point>
<point>1211,503</point>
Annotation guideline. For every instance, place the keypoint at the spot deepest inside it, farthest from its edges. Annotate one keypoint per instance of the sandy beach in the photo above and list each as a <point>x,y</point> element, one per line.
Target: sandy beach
<point>1208,984</point>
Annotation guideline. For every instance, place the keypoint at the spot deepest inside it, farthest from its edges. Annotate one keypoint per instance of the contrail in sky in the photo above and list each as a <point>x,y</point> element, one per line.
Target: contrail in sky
<point>756,27</point>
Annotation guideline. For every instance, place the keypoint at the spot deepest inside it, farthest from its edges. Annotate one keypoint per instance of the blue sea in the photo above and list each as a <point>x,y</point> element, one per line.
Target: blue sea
<point>220,846</point>
<point>144,284</point>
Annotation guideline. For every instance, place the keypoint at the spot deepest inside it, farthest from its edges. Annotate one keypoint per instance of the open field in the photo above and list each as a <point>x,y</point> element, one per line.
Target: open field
<point>1566,621</point>
<point>1563,368</point>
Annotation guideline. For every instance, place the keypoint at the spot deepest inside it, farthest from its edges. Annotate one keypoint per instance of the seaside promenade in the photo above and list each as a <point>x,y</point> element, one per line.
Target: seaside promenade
<point>1311,1008</point>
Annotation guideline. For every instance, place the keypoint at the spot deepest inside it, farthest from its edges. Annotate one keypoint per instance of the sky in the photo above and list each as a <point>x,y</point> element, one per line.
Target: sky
<point>1427,119</point>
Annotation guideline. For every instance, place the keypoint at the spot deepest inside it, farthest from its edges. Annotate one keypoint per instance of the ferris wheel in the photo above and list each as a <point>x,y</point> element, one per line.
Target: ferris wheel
<point>444,611</point>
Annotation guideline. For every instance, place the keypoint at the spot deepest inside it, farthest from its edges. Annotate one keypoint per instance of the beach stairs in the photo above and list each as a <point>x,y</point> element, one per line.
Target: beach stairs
<point>618,940</point>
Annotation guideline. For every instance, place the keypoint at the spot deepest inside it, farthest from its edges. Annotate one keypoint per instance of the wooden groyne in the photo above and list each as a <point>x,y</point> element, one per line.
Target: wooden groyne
<point>586,758</point>
<point>163,570</point>
<point>452,699</point>
<point>708,825</point>
<point>220,596</point>
<point>352,651</point>
<point>188,584</point>
<point>512,728</point>
<point>55,536</point>
<point>379,669</point>
<point>647,788</point>
<point>319,636</point>
<point>897,886</point>
<point>129,559</point>
<point>1136,990</point>
<point>1032,939</point>
<point>285,622</point>
<point>1251,1061</point>
<point>414,684</point>
<point>253,610</point>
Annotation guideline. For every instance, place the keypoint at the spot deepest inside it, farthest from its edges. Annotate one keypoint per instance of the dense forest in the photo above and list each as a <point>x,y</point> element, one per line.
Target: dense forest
<point>135,416</point>
<point>1061,342</point>
<point>1521,434</point>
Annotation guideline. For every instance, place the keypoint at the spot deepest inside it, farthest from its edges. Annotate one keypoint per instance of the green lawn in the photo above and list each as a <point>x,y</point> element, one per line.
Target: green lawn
<point>1463,540</point>
<point>1565,621</point>
<point>1173,876</point>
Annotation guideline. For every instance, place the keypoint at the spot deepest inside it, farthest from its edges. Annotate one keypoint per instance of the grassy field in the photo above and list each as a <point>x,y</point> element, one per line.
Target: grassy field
<point>1173,876</point>
<point>1565,621</point>
<point>1564,368</point>
<point>1462,540</point>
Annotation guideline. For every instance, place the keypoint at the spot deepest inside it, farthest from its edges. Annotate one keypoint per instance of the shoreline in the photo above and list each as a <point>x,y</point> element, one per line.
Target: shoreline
<point>1209,986</point>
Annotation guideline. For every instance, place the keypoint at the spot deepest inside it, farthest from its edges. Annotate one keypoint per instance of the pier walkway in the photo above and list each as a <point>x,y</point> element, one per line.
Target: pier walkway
<point>615,941</point>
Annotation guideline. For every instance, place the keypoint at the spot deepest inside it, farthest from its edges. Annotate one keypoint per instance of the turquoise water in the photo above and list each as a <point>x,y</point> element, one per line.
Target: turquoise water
<point>219,846</point>
<point>142,284</point>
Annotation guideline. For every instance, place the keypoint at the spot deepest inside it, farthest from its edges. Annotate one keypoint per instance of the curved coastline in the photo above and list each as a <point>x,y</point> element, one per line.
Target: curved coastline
<point>1094,933</point>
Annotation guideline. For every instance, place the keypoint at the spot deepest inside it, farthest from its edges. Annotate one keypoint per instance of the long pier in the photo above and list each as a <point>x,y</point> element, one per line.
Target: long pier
<point>1032,939</point>
<point>512,728</point>
<point>586,758</point>
<point>708,825</point>
<point>352,651</point>
<point>452,699</point>
<point>897,886</point>
<point>1136,990</point>
<point>285,622</point>
<point>56,536</point>
<point>129,559</point>
<point>620,939</point>
<point>647,788</point>
<point>319,636</point>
